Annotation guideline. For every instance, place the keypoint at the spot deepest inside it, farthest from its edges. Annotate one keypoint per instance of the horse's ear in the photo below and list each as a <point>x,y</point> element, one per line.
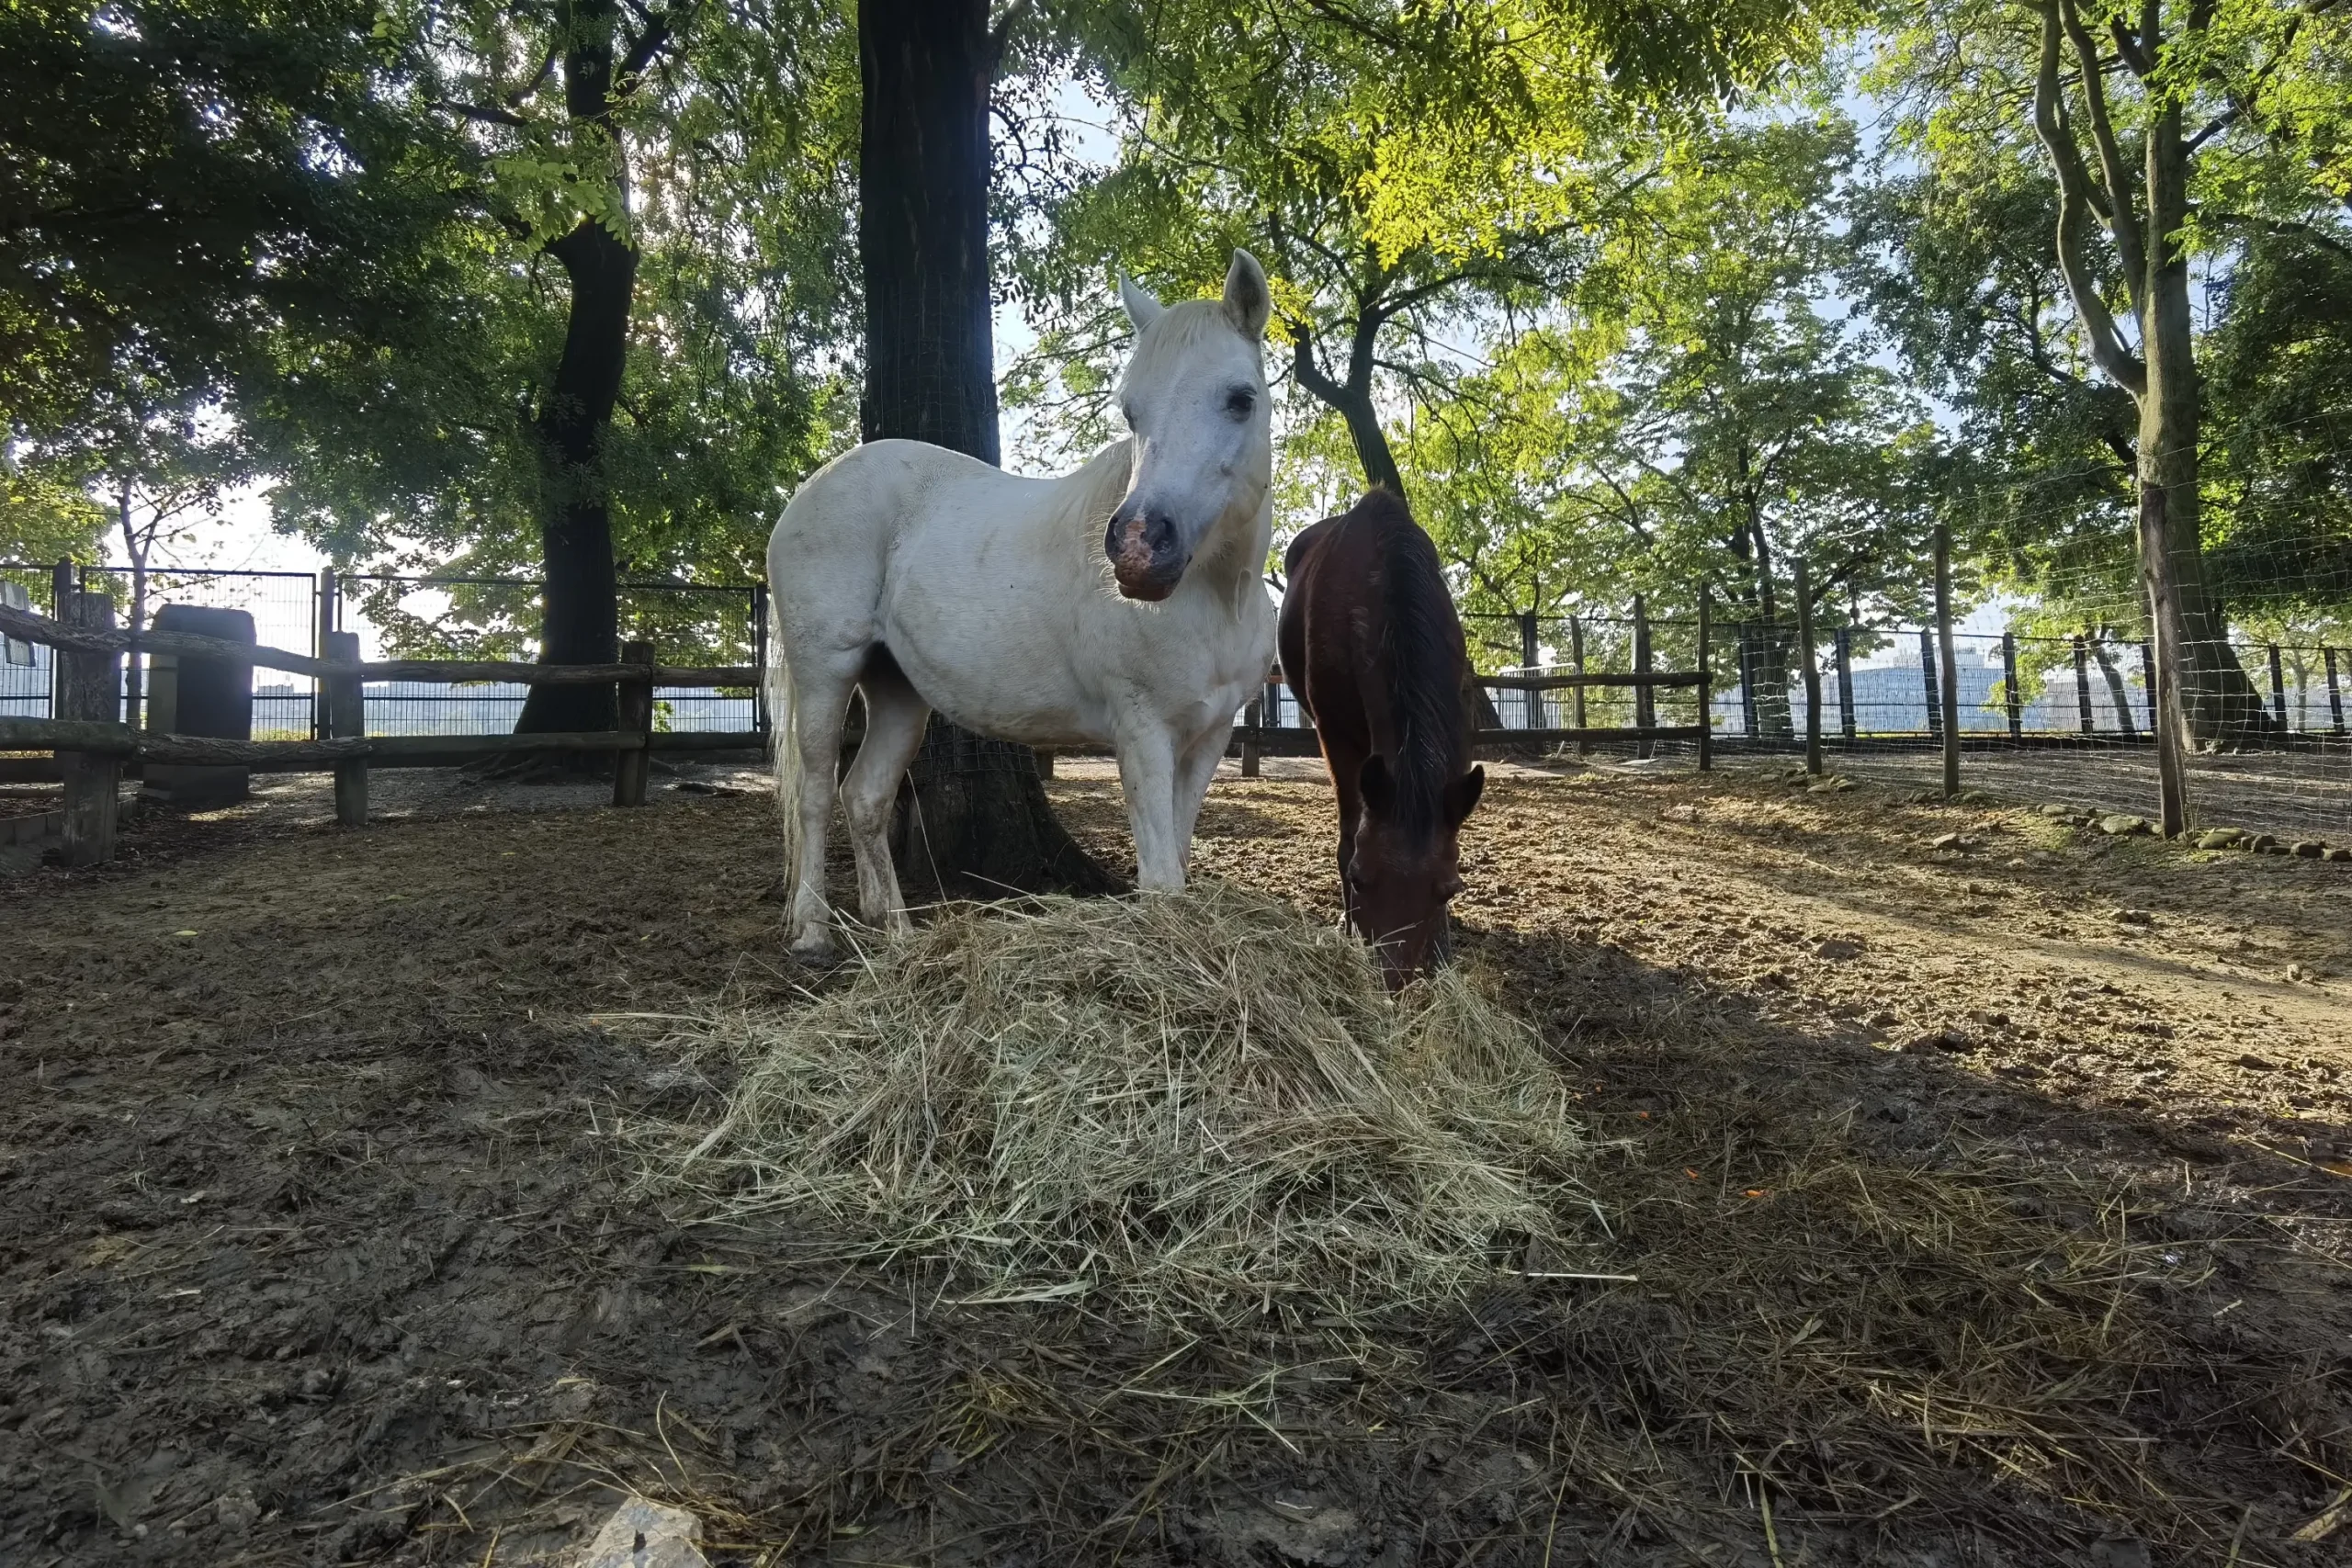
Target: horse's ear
<point>1462,796</point>
<point>1247,299</point>
<point>1377,786</point>
<point>1142,309</point>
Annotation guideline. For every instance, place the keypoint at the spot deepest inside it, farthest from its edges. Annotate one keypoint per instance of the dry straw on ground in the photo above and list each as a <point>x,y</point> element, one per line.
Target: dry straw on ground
<point>1202,1105</point>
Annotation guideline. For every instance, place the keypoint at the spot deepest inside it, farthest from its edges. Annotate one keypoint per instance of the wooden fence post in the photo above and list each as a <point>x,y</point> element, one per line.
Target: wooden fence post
<point>1249,719</point>
<point>1575,662</point>
<point>329,593</point>
<point>1645,706</point>
<point>1706,690</point>
<point>2335,694</point>
<point>1947,664</point>
<point>761,720</point>
<point>344,701</point>
<point>630,766</point>
<point>2083,683</point>
<point>2278,691</point>
<point>89,687</point>
<point>1844,641</point>
<point>2011,698</point>
<point>1531,700</point>
<point>1928,684</point>
<point>61,589</point>
<point>1812,672</point>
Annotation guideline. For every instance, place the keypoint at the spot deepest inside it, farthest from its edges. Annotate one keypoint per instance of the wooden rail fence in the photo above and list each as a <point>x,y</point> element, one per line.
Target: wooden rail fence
<point>92,745</point>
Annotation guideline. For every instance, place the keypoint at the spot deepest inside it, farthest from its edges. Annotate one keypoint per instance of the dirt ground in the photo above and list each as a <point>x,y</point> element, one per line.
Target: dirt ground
<point>323,1237</point>
<point>2297,794</point>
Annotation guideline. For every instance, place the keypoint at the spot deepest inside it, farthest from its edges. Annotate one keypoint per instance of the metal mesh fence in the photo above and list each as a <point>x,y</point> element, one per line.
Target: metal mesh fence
<point>283,605</point>
<point>27,670</point>
<point>481,617</point>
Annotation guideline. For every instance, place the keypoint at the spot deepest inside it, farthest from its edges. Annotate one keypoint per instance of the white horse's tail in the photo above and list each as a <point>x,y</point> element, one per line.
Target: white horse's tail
<point>784,745</point>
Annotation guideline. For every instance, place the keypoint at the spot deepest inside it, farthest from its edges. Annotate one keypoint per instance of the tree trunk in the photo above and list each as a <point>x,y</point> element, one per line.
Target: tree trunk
<point>1352,398</point>
<point>1371,442</point>
<point>974,818</point>
<point>2221,704</point>
<point>2118,693</point>
<point>580,616</point>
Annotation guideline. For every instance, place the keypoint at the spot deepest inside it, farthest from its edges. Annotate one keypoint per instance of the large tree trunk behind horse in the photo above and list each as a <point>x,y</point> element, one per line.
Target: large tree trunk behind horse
<point>979,821</point>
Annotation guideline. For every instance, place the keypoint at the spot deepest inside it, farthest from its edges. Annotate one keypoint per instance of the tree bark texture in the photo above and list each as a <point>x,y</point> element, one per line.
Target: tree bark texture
<point>974,818</point>
<point>580,614</point>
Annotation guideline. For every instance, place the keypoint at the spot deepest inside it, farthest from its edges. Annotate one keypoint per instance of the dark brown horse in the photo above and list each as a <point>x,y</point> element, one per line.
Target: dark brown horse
<point>1371,643</point>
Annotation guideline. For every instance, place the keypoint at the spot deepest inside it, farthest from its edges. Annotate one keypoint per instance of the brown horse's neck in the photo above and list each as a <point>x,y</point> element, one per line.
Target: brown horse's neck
<point>1422,670</point>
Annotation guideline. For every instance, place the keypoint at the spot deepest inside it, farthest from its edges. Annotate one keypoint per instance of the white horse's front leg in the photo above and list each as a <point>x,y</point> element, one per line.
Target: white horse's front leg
<point>1194,770</point>
<point>1148,778</point>
<point>819,705</point>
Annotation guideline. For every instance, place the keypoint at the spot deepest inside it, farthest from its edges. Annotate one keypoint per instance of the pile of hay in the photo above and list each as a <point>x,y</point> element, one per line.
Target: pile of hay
<point>1200,1105</point>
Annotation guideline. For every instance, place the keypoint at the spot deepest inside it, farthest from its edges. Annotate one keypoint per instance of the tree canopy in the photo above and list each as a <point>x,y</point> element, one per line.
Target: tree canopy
<point>1619,296</point>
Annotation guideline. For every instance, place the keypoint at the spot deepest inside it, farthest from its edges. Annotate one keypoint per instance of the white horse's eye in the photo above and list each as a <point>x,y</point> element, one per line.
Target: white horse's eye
<point>1240,401</point>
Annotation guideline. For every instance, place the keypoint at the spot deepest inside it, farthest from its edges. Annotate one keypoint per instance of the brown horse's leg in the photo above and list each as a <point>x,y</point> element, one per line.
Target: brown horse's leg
<point>1345,771</point>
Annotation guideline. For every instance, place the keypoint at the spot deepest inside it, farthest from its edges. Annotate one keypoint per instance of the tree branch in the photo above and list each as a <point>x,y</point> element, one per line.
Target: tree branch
<point>1001,34</point>
<point>488,113</point>
<point>2073,199</point>
<point>660,30</point>
<point>2124,206</point>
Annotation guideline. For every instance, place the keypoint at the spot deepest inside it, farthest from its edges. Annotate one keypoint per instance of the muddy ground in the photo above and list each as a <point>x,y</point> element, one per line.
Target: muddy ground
<point>323,1236</point>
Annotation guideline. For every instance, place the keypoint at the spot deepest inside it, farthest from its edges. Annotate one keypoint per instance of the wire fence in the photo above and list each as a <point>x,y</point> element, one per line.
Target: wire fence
<point>2055,718</point>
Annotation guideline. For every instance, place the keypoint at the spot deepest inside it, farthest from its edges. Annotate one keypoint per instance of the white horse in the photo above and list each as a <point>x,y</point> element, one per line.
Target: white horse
<point>1121,605</point>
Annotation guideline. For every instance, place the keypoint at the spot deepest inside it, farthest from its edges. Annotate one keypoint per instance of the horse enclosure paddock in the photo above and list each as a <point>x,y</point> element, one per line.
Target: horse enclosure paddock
<point>1987,1174</point>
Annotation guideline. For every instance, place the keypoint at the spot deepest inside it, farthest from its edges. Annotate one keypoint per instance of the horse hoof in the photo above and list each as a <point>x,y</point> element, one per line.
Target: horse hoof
<point>815,947</point>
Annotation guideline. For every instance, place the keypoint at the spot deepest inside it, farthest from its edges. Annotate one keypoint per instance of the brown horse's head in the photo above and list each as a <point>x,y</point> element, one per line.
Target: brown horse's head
<point>1405,869</point>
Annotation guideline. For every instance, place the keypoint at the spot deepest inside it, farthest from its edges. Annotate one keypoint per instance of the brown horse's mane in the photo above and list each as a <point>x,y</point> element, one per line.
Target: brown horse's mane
<point>1424,670</point>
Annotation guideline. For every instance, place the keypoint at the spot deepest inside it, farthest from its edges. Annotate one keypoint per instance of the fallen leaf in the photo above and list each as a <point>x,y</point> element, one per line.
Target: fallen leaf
<point>1690,1173</point>
<point>1757,1192</point>
<point>184,933</point>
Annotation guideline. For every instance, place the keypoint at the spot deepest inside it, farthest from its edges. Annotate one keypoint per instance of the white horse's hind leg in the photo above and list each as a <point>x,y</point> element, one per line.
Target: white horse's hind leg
<point>819,705</point>
<point>894,723</point>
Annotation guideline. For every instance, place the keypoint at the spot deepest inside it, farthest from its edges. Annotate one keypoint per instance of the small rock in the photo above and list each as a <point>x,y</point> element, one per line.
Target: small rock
<point>1971,798</point>
<point>1837,949</point>
<point>1824,786</point>
<point>644,1534</point>
<point>1945,841</point>
<point>2134,917</point>
<point>1940,1040</point>
<point>2055,810</point>
<point>2219,838</point>
<point>2255,1064</point>
<point>2120,826</point>
<point>236,1512</point>
<point>2309,849</point>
